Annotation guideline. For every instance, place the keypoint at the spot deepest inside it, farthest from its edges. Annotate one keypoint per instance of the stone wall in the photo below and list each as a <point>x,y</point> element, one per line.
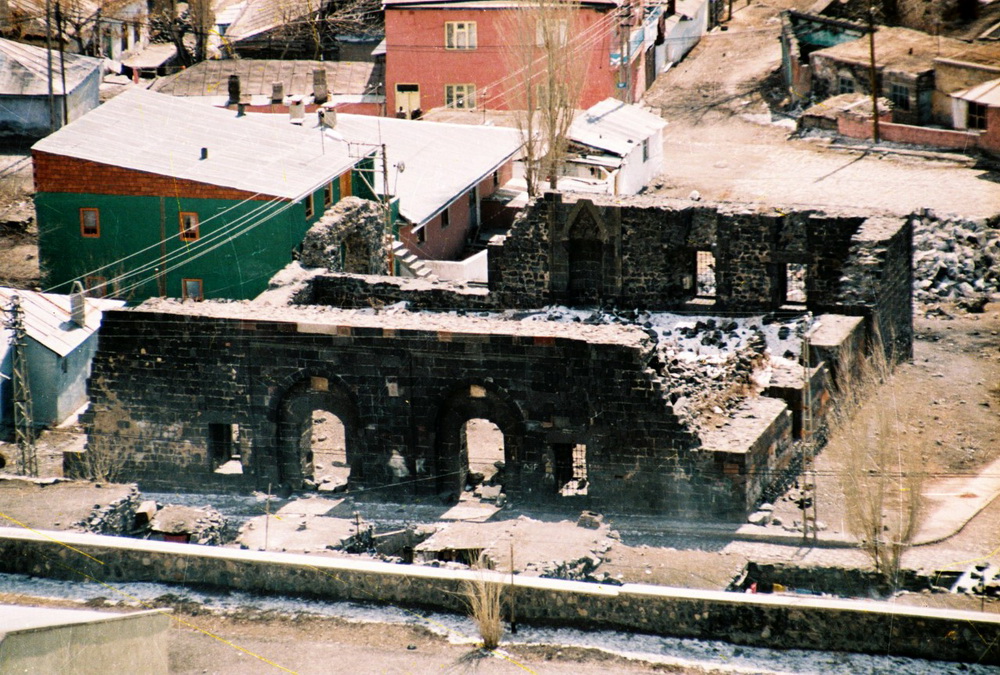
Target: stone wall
<point>403,389</point>
<point>780,622</point>
<point>349,237</point>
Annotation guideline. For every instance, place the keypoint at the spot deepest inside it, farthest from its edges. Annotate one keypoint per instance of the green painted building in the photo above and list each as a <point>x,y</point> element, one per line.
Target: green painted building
<point>151,195</point>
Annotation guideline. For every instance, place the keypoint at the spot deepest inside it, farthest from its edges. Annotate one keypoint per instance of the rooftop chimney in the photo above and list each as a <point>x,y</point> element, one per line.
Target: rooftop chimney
<point>297,110</point>
<point>277,92</point>
<point>234,89</point>
<point>327,117</point>
<point>78,305</point>
<point>320,93</point>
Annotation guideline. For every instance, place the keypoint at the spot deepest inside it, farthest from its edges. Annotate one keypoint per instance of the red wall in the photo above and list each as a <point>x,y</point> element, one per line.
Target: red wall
<point>448,243</point>
<point>861,127</point>
<point>415,54</point>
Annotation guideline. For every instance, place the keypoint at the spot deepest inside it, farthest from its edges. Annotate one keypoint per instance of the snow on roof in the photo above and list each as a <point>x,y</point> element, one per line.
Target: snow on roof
<point>987,93</point>
<point>614,126</point>
<point>46,319</point>
<point>145,131</point>
<point>442,161</point>
<point>24,70</point>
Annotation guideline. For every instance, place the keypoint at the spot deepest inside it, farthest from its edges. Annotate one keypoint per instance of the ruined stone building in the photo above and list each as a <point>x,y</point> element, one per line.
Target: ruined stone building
<point>603,400</point>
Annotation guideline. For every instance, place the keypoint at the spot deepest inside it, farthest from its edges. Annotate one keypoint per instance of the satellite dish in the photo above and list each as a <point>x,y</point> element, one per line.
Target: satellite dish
<point>401,167</point>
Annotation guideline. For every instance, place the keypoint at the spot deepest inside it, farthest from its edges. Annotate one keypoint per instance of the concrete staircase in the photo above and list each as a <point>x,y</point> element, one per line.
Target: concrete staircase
<point>409,264</point>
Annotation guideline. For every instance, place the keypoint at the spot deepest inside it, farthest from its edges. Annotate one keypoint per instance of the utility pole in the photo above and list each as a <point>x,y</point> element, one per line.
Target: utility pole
<point>24,432</point>
<point>48,56</point>
<point>873,73</point>
<point>62,65</point>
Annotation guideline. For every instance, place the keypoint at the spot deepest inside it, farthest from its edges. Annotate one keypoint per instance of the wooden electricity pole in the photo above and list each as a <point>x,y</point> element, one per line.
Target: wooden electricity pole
<point>873,72</point>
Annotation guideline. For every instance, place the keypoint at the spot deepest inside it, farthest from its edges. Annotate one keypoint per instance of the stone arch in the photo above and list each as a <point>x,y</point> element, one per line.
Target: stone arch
<point>464,403</point>
<point>586,255</point>
<point>294,419</point>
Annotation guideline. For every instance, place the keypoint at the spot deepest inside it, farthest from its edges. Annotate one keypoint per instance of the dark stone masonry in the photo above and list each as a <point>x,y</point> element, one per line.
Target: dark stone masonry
<point>236,384</point>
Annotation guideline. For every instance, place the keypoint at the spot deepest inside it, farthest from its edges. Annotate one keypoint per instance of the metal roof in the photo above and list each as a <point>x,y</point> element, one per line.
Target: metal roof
<point>987,93</point>
<point>211,78</point>
<point>46,319</point>
<point>145,131</point>
<point>259,16</point>
<point>24,70</point>
<point>614,126</point>
<point>442,161</point>
<point>484,4</point>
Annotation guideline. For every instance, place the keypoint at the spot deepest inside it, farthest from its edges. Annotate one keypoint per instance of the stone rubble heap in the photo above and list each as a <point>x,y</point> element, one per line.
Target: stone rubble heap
<point>955,259</point>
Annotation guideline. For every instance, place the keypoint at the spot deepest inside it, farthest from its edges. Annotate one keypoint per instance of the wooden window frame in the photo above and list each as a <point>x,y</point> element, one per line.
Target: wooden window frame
<point>184,289</point>
<point>310,205</point>
<point>899,94</point>
<point>452,32</point>
<point>189,233</point>
<point>96,234</point>
<point>467,90</point>
<point>976,116</point>
<point>446,218</point>
<point>328,195</point>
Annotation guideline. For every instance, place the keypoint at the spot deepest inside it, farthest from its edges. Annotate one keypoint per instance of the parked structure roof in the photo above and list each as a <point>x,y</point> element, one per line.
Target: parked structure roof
<point>46,319</point>
<point>614,126</point>
<point>146,131</point>
<point>211,78</point>
<point>442,161</point>
<point>24,70</point>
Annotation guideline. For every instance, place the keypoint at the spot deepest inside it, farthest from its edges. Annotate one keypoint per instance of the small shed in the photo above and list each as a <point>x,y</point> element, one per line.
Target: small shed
<point>615,148</point>
<point>24,89</point>
<point>60,346</point>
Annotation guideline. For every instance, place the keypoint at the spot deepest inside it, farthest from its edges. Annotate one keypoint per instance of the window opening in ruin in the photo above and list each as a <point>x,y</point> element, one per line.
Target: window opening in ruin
<point>224,448</point>
<point>705,273</point>
<point>899,94</point>
<point>795,282</point>
<point>483,444</point>
<point>327,456</point>
<point>570,469</point>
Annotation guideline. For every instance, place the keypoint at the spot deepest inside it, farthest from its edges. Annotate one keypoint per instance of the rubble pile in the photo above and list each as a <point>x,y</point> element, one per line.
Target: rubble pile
<point>115,518</point>
<point>202,525</point>
<point>955,259</point>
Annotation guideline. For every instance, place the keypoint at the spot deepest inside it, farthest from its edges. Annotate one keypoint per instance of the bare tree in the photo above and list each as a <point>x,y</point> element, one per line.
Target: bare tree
<point>547,59</point>
<point>883,459</point>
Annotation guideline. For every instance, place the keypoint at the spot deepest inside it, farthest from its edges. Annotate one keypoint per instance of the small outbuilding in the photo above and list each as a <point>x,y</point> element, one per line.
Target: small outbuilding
<point>25,110</point>
<point>614,148</point>
<point>61,338</point>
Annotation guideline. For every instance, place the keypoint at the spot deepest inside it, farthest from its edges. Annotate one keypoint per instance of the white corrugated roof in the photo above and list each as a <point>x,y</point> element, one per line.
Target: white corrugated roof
<point>146,131</point>
<point>614,126</point>
<point>987,93</point>
<point>443,161</point>
<point>24,70</point>
<point>46,318</point>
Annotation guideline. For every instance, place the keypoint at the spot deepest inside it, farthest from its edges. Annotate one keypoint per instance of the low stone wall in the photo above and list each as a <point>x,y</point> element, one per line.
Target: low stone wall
<point>765,621</point>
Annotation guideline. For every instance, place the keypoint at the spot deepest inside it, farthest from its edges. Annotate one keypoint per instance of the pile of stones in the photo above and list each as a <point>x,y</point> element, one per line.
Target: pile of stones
<point>955,259</point>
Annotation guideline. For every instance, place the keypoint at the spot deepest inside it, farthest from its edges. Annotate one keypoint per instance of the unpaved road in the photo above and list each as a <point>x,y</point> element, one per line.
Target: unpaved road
<point>721,143</point>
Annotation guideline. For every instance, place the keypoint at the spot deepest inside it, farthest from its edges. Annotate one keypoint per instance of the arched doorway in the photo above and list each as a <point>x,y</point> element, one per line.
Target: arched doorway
<point>586,260</point>
<point>355,255</point>
<point>483,443</point>
<point>486,409</point>
<point>317,434</point>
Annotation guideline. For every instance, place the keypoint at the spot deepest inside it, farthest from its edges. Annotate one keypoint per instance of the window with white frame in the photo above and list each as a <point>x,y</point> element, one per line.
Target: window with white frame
<point>553,29</point>
<point>460,35</point>
<point>460,96</point>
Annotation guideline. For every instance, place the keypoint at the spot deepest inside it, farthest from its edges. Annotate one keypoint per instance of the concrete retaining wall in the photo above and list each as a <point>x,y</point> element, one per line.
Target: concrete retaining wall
<point>765,621</point>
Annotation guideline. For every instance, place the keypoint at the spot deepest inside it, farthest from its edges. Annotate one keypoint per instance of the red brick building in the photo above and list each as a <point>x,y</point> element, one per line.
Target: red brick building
<point>451,53</point>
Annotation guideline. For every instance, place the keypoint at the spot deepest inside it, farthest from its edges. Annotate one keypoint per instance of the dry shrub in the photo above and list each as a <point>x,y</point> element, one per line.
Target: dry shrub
<point>485,602</point>
<point>883,457</point>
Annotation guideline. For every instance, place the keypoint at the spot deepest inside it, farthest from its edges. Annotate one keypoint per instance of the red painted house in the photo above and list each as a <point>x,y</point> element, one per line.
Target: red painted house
<point>451,52</point>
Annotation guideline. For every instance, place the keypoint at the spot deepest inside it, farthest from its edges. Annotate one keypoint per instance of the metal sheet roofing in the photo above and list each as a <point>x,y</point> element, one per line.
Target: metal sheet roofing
<point>442,161</point>
<point>156,133</point>
<point>614,126</point>
<point>259,16</point>
<point>46,318</point>
<point>987,93</point>
<point>24,70</point>
<point>211,78</point>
